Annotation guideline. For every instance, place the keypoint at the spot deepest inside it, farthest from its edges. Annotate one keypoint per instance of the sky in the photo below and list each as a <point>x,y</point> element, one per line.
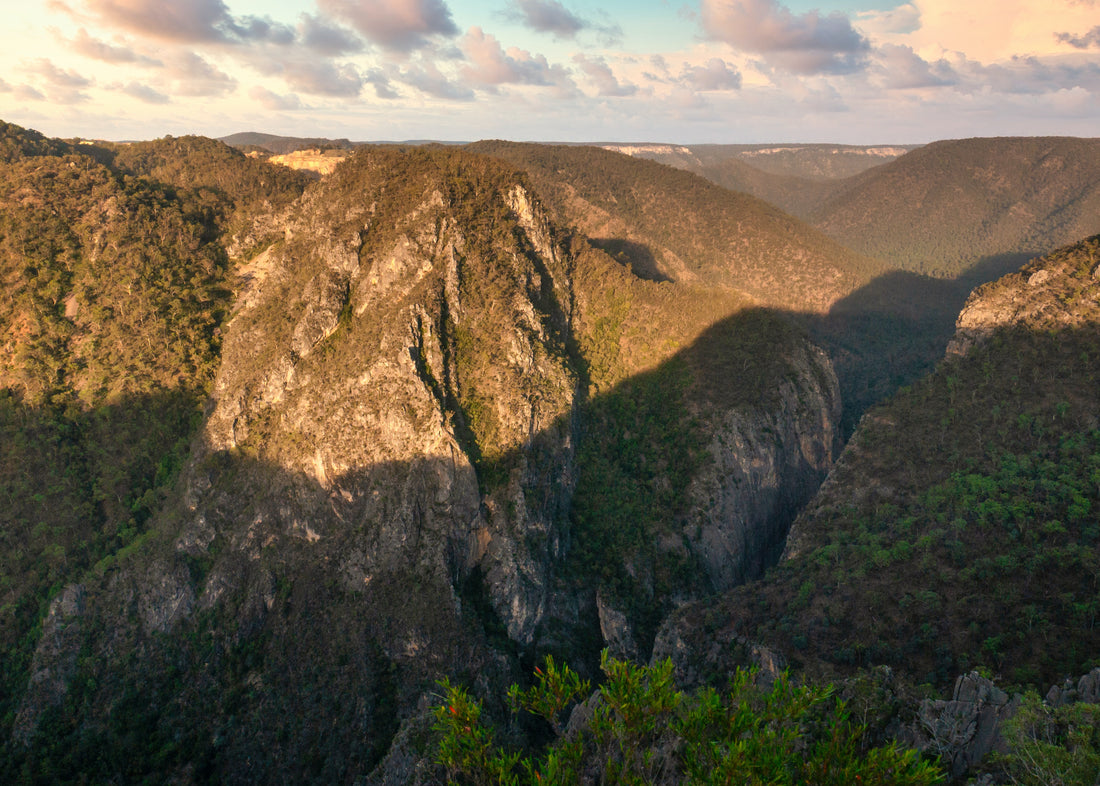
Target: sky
<point>703,71</point>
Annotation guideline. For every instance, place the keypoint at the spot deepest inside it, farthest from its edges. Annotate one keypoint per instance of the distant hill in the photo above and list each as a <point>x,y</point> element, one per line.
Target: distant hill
<point>281,145</point>
<point>670,224</point>
<point>796,178</point>
<point>944,207</point>
<point>806,161</point>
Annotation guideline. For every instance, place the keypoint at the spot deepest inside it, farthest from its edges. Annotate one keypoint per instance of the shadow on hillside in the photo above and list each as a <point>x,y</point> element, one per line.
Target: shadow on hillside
<point>990,462</point>
<point>638,257</point>
<point>296,620</point>
<point>296,562</point>
<point>895,329</point>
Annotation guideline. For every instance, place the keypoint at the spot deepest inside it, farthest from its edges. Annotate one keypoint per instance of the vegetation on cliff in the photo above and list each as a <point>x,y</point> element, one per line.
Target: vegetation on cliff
<point>116,287</point>
<point>959,529</point>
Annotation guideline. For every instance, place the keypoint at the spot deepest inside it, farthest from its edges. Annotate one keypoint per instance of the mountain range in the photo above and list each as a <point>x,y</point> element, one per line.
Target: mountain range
<point>281,452</point>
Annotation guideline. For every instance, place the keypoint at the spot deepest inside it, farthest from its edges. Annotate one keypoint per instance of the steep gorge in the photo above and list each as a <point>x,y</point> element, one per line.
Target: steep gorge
<point>402,474</point>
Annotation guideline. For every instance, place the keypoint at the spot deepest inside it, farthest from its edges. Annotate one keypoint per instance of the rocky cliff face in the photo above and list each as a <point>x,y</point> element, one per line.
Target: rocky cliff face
<point>763,464</point>
<point>383,488</point>
<point>1055,292</point>
<point>407,383</point>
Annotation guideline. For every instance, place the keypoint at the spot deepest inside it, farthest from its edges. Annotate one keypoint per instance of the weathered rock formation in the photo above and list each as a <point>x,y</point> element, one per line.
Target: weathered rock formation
<point>382,491</point>
<point>1058,291</point>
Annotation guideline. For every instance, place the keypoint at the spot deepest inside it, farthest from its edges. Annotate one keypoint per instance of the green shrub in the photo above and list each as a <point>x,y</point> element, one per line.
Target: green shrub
<point>1052,747</point>
<point>642,730</point>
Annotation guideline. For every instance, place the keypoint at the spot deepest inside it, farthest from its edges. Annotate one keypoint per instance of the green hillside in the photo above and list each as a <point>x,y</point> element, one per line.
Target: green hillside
<point>280,145</point>
<point>959,529</point>
<point>795,178</point>
<point>945,207</point>
<point>116,287</point>
<point>671,224</point>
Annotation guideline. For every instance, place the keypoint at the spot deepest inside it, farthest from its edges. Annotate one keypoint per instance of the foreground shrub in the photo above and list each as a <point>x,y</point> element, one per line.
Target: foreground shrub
<point>640,729</point>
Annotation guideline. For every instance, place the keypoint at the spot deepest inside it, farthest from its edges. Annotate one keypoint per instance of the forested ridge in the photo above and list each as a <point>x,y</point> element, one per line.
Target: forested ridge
<point>116,282</point>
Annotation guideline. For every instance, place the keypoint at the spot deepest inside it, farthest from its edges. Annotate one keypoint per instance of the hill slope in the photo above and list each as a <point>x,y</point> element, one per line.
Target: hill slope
<point>445,435</point>
<point>946,206</point>
<point>959,527</point>
<point>795,178</point>
<point>671,224</point>
<point>116,287</point>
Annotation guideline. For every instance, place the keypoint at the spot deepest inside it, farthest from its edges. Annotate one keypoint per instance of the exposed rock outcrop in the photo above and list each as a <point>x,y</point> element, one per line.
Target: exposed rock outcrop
<point>764,463</point>
<point>54,661</point>
<point>962,731</point>
<point>1057,291</point>
<point>382,492</point>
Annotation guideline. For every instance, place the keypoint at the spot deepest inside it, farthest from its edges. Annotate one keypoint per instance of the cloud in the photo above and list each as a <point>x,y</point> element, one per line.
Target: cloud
<point>715,75</point>
<point>1031,76</point>
<point>550,16</point>
<point>806,44</point>
<point>57,77</point>
<point>398,25</point>
<point>491,65</point>
<point>546,16</point>
<point>95,49</point>
<point>327,39</point>
<point>28,93</point>
<point>321,78</point>
<point>185,21</point>
<point>191,75</point>
<point>601,75</point>
<point>62,86</point>
<point>427,79</point>
<point>306,74</point>
<point>902,20</point>
<point>1087,41</point>
<point>273,101</point>
<point>377,79</point>
<point>143,93</point>
<point>901,68</point>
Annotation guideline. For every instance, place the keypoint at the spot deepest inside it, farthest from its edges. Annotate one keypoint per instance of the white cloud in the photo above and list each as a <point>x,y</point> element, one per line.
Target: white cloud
<point>716,74</point>
<point>327,39</point>
<point>905,18</point>
<point>192,75</point>
<point>95,49</point>
<point>398,25</point>
<point>273,101</point>
<point>807,43</point>
<point>143,93</point>
<point>186,21</point>
<point>899,68</point>
<point>490,64</point>
<point>601,75</point>
<point>550,16</point>
<point>427,78</point>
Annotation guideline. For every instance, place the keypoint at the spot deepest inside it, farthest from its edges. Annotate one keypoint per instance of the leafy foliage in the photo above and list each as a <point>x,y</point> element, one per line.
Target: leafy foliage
<point>960,528</point>
<point>640,729</point>
<point>115,290</point>
<point>1052,747</point>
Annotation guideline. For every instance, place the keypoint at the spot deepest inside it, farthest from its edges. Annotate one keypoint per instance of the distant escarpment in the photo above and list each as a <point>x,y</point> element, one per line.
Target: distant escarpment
<point>958,529</point>
<point>445,435</point>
